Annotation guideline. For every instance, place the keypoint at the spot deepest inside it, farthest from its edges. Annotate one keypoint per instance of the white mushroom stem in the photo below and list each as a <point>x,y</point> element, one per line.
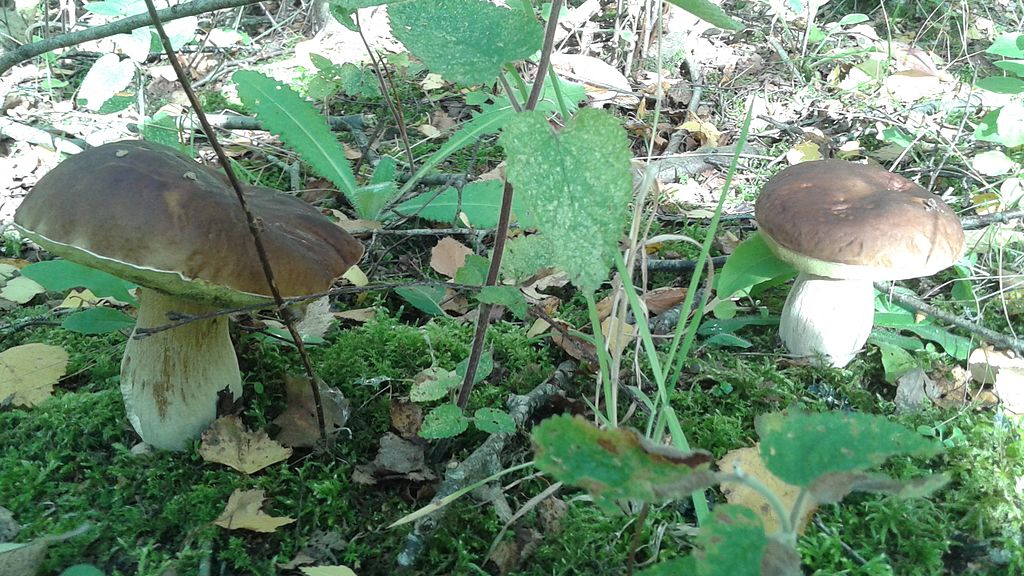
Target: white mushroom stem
<point>827,321</point>
<point>170,379</point>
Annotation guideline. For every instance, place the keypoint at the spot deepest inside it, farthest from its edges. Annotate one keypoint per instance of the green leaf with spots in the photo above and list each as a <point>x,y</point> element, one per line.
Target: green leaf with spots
<point>734,542</point>
<point>494,421</point>
<point>299,125</point>
<point>576,185</point>
<point>799,448</point>
<point>616,463</point>
<point>444,421</point>
<point>466,41</point>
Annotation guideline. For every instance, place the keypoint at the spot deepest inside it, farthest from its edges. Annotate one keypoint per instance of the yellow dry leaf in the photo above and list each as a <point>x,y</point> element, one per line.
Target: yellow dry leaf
<point>327,571</point>
<point>704,131</point>
<point>79,299</point>
<point>805,151</point>
<point>985,203</point>
<point>28,373</point>
<point>243,513</point>
<point>617,334</point>
<point>749,461</point>
<point>356,276</point>
<point>432,82</point>
<point>228,442</point>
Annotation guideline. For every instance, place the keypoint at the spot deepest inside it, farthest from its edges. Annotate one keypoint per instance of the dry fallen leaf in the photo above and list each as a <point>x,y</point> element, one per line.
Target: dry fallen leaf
<point>397,458</point>
<point>406,417</point>
<point>243,513</point>
<point>662,299</point>
<point>360,315</point>
<point>327,571</point>
<point>29,372</point>
<point>1004,370</point>
<point>806,151</point>
<point>227,442</point>
<point>448,255</point>
<point>298,421</point>
<point>749,461</point>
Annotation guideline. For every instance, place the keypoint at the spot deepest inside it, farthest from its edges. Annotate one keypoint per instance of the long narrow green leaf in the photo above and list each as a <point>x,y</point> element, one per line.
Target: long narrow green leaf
<point>286,114</point>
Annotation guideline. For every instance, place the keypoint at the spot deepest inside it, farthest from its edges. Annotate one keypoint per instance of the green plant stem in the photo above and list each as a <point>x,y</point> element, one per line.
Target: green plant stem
<point>504,217</point>
<point>611,397</point>
<point>524,91</point>
<point>700,503</point>
<point>677,354</point>
<point>563,107</point>
<point>786,522</point>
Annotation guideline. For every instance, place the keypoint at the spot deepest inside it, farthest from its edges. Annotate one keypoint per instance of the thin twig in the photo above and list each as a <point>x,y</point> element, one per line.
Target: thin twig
<point>485,460</point>
<point>991,336</point>
<point>254,224</point>
<point>395,105</point>
<point>123,26</point>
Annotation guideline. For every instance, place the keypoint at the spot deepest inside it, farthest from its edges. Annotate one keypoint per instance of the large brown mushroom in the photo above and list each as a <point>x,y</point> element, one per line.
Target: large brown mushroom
<point>150,214</point>
<point>844,225</point>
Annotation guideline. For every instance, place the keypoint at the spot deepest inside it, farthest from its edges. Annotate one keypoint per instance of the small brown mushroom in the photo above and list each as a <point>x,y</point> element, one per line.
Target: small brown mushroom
<point>150,214</point>
<point>844,225</point>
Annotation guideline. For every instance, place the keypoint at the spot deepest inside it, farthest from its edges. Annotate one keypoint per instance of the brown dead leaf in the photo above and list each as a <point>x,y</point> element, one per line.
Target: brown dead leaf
<point>915,391</point>
<point>448,255</point>
<point>298,421</point>
<point>360,315</point>
<point>397,458</point>
<point>406,417</point>
<point>243,512</point>
<point>227,442</point>
<point>573,345</point>
<point>29,372</point>
<point>662,299</point>
<point>351,152</point>
<point>749,461</point>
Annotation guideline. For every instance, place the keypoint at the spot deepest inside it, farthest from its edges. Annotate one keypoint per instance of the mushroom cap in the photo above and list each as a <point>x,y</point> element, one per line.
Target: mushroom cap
<point>844,220</point>
<point>152,215</point>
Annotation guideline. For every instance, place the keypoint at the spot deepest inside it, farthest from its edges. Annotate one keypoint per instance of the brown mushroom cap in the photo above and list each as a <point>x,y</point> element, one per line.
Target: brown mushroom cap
<point>150,214</point>
<point>852,221</point>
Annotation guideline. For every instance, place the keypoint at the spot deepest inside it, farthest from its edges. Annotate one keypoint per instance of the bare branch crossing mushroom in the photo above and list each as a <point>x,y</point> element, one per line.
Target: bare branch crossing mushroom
<point>152,215</point>
<point>844,225</point>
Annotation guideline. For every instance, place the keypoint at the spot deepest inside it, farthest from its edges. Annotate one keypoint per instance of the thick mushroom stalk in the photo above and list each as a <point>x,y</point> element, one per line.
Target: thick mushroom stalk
<point>827,321</point>
<point>170,380</point>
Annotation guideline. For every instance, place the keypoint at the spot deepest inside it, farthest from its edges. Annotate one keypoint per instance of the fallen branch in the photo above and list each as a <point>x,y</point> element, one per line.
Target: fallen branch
<point>37,136</point>
<point>1001,340</point>
<point>485,460</point>
<point>123,26</point>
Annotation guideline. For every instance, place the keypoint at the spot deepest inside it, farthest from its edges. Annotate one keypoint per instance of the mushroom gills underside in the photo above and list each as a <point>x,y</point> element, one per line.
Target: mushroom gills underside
<point>827,321</point>
<point>170,380</point>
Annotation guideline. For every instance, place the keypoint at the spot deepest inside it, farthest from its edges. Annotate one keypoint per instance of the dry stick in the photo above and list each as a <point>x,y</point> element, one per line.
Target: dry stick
<point>501,235</point>
<point>182,319</point>
<point>124,26</point>
<point>485,461</point>
<point>918,305</point>
<point>394,105</point>
<point>254,224</point>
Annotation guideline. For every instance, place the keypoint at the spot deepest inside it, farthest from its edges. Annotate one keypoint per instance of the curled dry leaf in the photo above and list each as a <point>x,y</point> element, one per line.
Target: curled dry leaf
<point>29,372</point>
<point>227,442</point>
<point>749,462</point>
<point>243,512</point>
